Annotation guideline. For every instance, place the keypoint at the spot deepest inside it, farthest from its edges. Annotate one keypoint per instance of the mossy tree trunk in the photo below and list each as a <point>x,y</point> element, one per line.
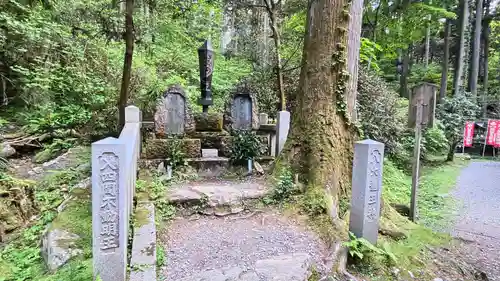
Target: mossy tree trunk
<point>459,69</point>
<point>127,62</point>
<point>320,141</point>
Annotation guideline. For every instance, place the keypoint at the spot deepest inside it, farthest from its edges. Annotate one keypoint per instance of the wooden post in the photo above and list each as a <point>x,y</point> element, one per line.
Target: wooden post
<point>416,162</point>
<point>421,114</point>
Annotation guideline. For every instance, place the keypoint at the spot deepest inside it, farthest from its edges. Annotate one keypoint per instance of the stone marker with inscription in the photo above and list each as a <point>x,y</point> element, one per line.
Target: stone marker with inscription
<point>173,115</point>
<point>241,110</point>
<point>366,189</point>
<point>110,210</point>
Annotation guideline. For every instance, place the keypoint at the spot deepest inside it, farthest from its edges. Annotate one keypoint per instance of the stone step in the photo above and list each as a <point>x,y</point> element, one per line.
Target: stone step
<point>288,267</point>
<point>209,153</point>
<point>217,198</point>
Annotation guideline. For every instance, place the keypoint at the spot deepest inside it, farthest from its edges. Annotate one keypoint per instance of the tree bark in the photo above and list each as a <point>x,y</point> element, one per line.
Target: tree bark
<point>320,142</point>
<point>127,63</point>
<point>486,38</point>
<point>403,78</point>
<point>446,61</point>
<point>476,49</point>
<point>272,10</point>
<point>459,69</point>
<point>354,42</point>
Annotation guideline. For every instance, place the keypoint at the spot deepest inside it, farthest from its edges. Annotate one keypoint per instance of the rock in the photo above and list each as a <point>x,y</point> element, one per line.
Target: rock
<point>224,274</point>
<point>6,151</point>
<point>184,196</point>
<point>291,267</point>
<point>58,247</point>
<point>258,167</point>
<point>161,170</point>
<point>84,168</point>
<point>437,279</point>
<point>43,156</point>
<point>70,159</point>
<point>84,184</point>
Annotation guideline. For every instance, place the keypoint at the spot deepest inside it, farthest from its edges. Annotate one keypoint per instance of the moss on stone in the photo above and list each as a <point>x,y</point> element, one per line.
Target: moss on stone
<point>160,148</point>
<point>44,155</point>
<point>211,122</point>
<point>141,217</point>
<point>77,218</point>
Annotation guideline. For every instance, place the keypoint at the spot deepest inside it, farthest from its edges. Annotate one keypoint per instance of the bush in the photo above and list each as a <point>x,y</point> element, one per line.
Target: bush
<point>245,145</point>
<point>381,112</point>
<point>453,112</point>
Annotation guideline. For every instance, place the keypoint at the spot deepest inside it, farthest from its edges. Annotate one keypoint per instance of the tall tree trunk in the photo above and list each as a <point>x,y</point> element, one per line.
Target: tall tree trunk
<point>272,10</point>
<point>476,48</point>
<point>127,63</point>
<point>446,61</point>
<point>354,42</point>
<point>403,78</point>
<point>320,143</point>
<point>486,38</point>
<point>427,46</point>
<point>459,69</point>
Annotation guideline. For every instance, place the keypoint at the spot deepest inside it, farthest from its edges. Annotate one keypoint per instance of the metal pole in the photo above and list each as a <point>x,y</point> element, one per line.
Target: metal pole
<point>486,137</point>
<point>416,163</point>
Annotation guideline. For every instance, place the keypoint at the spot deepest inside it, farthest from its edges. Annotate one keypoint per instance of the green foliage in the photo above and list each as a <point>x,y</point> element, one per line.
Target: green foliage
<point>368,53</point>
<point>157,191</point>
<point>21,259</point>
<point>453,112</point>
<point>63,65</point>
<point>382,113</point>
<point>313,202</point>
<point>245,145</point>
<point>360,248</point>
<point>177,156</point>
<point>284,187</point>
<point>160,255</point>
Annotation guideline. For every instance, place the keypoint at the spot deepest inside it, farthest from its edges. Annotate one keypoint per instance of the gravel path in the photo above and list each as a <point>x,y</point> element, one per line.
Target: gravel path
<point>210,243</point>
<point>478,189</point>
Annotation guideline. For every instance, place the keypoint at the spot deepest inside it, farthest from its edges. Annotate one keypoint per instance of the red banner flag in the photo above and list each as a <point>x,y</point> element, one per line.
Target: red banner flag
<point>469,134</point>
<point>491,137</point>
<point>497,135</point>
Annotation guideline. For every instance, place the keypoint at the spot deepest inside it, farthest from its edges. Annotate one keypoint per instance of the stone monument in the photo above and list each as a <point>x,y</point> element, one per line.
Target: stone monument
<point>242,112</point>
<point>366,189</point>
<point>173,114</point>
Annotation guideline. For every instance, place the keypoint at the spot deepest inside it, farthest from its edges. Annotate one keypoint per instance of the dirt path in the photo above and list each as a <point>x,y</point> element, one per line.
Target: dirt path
<point>478,224</point>
<point>256,248</point>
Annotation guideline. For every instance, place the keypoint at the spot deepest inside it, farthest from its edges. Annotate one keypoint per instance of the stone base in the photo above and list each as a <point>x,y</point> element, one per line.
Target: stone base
<point>210,167</point>
<point>209,153</point>
<point>211,122</point>
<point>215,140</point>
<point>162,148</point>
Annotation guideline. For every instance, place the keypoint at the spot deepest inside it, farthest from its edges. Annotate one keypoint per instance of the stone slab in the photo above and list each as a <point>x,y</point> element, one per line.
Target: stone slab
<point>217,193</point>
<point>366,189</point>
<point>58,247</point>
<point>143,261</point>
<point>209,153</point>
<point>263,118</point>
<point>288,267</point>
<point>282,128</point>
<point>173,115</point>
<point>110,209</point>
